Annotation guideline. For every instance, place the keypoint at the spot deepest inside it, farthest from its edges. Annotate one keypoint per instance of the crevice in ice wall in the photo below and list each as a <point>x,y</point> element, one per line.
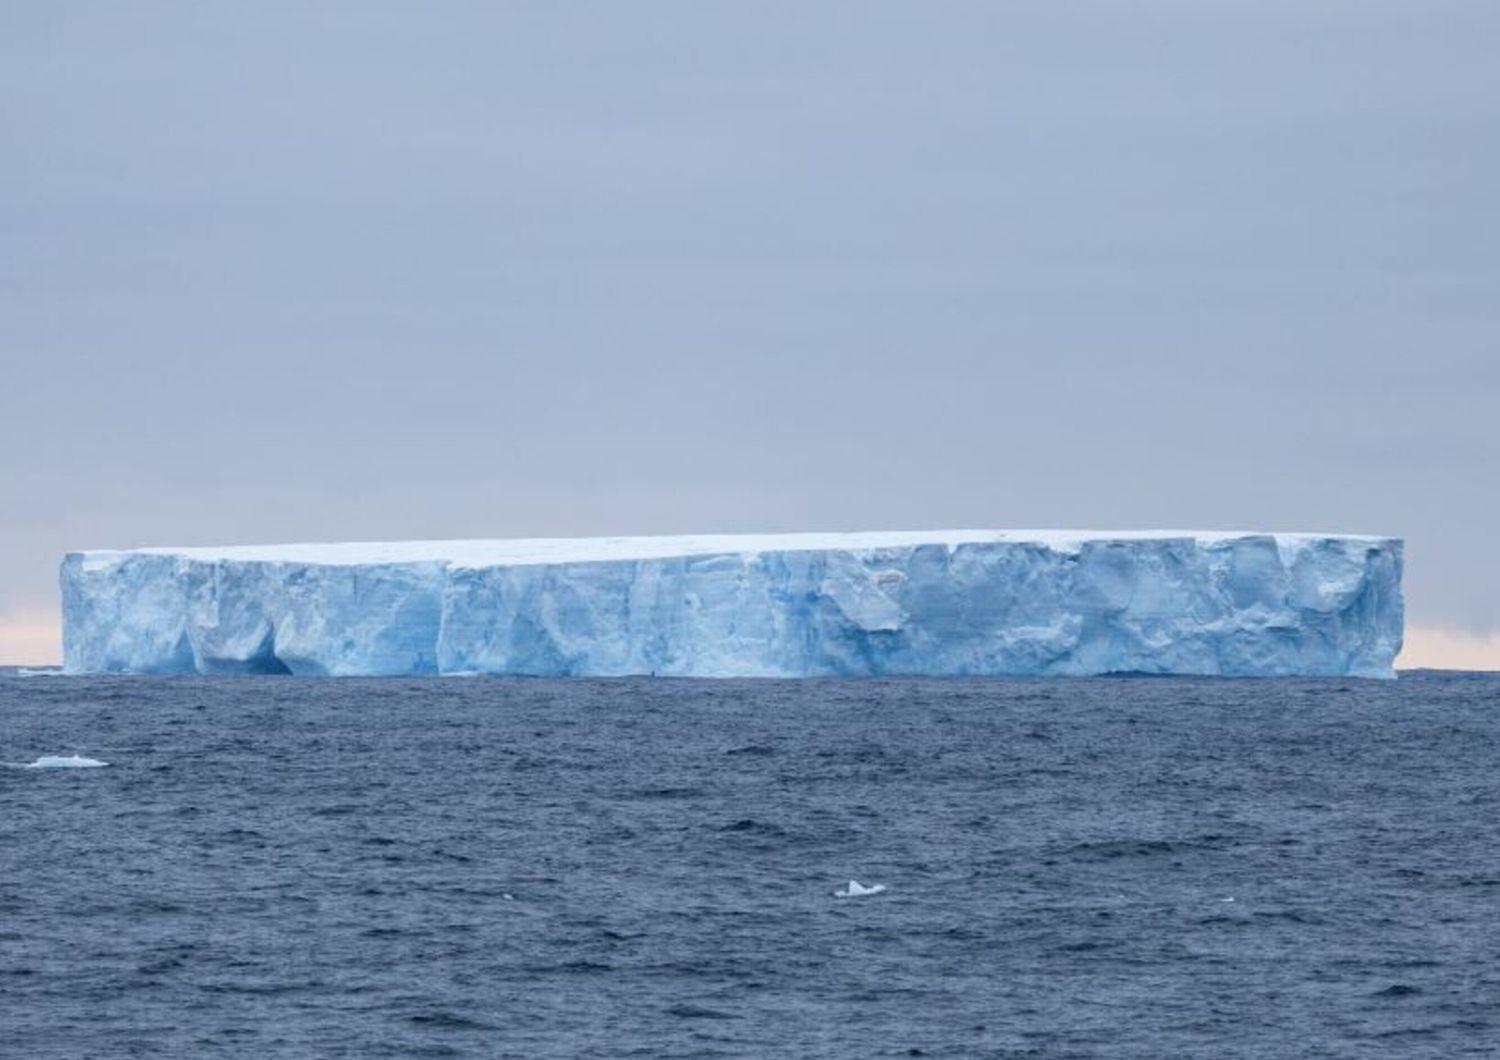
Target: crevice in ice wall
<point>261,660</point>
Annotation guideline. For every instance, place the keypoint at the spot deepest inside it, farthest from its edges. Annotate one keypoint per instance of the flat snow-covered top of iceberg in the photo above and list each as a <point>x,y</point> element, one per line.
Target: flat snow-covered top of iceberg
<point>538,550</point>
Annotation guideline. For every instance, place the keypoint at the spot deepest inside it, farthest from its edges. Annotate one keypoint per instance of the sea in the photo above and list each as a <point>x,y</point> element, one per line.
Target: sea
<point>504,867</point>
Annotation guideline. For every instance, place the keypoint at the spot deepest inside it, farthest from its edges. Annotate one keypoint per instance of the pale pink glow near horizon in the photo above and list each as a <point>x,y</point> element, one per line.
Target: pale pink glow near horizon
<point>37,641</point>
<point>31,642</point>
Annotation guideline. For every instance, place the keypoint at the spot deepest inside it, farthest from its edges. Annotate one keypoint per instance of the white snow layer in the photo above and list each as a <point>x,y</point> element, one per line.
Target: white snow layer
<point>933,602</point>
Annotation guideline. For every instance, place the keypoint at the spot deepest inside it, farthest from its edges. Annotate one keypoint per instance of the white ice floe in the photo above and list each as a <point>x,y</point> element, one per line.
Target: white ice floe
<point>64,762</point>
<point>859,890</point>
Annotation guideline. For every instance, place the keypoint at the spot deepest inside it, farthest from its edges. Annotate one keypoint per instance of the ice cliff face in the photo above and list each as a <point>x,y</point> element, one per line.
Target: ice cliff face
<point>951,602</point>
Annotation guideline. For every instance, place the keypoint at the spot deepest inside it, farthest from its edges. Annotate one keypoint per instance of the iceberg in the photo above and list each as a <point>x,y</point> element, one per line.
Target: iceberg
<point>983,602</point>
<point>65,762</point>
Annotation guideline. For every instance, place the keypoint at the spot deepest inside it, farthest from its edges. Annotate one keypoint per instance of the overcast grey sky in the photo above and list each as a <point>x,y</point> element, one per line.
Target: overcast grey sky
<point>342,271</point>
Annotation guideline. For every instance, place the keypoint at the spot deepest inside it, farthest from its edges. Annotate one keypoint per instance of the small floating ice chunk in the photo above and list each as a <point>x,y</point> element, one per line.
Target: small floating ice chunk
<point>859,890</point>
<point>65,762</point>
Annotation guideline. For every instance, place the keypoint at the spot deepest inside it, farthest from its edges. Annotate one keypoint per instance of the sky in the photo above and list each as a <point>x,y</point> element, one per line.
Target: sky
<point>359,271</point>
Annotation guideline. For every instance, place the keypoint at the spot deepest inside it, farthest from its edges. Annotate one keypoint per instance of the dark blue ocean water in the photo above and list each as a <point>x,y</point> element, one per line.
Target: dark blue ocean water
<point>516,868</point>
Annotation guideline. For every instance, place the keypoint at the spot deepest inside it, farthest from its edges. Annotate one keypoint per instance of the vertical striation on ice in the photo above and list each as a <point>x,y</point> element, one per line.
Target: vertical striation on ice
<point>935,603</point>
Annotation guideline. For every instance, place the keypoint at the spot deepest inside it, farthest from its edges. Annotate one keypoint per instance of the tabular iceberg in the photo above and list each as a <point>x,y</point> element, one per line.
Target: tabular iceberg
<point>785,605</point>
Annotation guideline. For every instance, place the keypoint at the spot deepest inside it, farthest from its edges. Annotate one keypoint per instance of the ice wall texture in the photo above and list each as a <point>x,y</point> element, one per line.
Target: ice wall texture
<point>939,603</point>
